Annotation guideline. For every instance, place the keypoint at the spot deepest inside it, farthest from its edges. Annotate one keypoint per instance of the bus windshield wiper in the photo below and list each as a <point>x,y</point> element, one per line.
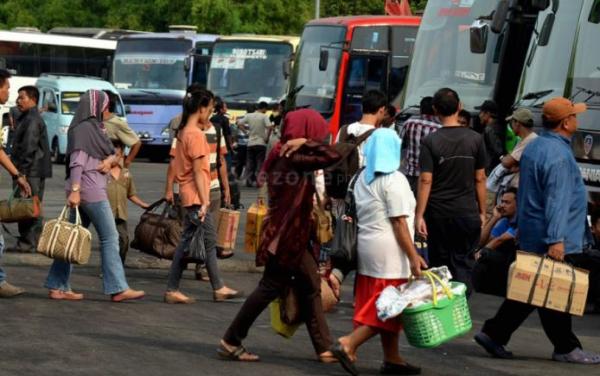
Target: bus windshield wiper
<point>536,94</point>
<point>236,94</point>
<point>150,92</point>
<point>591,93</point>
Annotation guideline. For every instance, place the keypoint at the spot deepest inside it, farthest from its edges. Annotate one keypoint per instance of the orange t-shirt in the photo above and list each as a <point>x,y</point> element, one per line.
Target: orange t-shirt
<point>190,145</point>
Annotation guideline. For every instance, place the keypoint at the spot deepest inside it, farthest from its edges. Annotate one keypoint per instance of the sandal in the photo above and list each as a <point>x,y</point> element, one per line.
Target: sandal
<point>341,355</point>
<point>239,354</point>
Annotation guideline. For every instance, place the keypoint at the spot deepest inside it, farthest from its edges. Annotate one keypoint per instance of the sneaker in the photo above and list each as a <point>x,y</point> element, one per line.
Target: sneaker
<point>9,291</point>
<point>494,349</point>
<point>577,356</point>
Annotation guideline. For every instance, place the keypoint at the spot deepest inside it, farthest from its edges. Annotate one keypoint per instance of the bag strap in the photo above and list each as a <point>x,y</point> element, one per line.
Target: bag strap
<point>362,138</point>
<point>535,279</point>
<point>571,290</point>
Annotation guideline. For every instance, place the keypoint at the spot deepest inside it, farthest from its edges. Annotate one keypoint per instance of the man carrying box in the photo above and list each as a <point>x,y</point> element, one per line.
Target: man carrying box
<point>551,220</point>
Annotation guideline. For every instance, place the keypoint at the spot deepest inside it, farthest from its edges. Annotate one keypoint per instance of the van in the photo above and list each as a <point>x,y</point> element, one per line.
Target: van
<point>59,98</point>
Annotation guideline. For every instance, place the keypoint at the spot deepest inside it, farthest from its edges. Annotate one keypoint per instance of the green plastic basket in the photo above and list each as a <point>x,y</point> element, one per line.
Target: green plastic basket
<point>429,326</point>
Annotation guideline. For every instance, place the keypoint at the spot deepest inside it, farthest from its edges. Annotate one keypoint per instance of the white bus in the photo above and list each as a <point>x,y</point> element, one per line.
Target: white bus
<point>29,54</point>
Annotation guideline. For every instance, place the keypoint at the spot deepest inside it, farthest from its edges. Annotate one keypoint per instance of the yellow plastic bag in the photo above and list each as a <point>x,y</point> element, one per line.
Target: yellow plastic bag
<point>281,328</point>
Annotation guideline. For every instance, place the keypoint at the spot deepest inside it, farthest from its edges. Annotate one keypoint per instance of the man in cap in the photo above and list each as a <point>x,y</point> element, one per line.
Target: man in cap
<point>521,121</point>
<point>492,134</point>
<point>551,220</point>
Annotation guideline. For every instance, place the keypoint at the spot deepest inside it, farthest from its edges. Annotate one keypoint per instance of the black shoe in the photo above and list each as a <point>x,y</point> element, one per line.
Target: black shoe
<point>494,349</point>
<point>399,369</point>
<point>224,254</point>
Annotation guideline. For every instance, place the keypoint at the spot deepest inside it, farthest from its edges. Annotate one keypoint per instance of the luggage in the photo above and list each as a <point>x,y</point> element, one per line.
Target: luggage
<point>159,234</point>
<point>338,176</point>
<point>254,221</point>
<point>227,228</point>
<point>19,209</point>
<point>66,241</point>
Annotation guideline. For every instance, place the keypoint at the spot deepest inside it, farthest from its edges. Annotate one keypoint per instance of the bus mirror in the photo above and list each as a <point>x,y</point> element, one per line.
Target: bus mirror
<point>187,64</point>
<point>479,35</point>
<point>540,4</point>
<point>544,37</point>
<point>127,109</point>
<point>323,60</point>
<point>499,17</point>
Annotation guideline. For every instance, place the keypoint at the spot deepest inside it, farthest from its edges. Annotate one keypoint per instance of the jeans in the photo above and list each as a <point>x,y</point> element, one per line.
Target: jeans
<point>113,274</point>
<point>2,272</point>
<point>190,224</point>
<point>307,282</point>
<point>254,161</point>
<point>30,230</point>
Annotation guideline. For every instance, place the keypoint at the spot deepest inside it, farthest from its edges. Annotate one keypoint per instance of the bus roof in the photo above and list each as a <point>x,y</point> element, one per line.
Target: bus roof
<point>293,40</point>
<point>353,21</point>
<point>56,40</point>
<point>192,36</point>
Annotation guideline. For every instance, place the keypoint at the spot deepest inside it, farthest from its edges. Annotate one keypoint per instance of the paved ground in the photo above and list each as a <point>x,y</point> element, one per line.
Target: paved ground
<point>95,337</point>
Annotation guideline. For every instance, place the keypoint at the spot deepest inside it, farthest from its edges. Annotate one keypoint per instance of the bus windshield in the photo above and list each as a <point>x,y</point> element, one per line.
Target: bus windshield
<point>442,56</point>
<point>151,64</point>
<point>586,66</point>
<point>540,80</point>
<point>318,87</point>
<point>249,71</point>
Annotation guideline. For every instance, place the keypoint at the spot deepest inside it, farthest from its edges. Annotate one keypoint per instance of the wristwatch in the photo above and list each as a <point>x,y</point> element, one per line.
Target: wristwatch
<point>75,188</point>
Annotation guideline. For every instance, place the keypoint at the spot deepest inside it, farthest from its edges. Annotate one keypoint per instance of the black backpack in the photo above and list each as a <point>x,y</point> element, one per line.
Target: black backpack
<point>339,175</point>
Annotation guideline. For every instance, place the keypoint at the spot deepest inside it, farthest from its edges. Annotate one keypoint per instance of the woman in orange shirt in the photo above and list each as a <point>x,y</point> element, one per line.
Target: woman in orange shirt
<point>191,165</point>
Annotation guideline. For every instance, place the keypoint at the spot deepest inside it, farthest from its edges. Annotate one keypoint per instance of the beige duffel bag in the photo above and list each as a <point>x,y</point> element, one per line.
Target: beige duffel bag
<point>65,241</point>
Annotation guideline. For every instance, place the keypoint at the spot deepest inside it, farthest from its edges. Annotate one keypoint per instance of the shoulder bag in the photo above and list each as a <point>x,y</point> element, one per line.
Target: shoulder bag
<point>66,241</point>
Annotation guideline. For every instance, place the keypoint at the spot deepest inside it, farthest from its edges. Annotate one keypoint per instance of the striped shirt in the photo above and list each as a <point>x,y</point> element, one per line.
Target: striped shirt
<point>211,137</point>
<point>413,131</point>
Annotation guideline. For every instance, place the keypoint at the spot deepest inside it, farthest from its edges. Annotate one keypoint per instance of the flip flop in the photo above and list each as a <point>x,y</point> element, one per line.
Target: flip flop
<point>235,354</point>
<point>341,355</point>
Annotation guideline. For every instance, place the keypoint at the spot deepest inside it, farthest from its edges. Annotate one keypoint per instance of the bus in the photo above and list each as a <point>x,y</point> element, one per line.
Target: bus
<point>151,72</point>
<point>247,69</point>
<point>29,54</point>
<point>341,58</point>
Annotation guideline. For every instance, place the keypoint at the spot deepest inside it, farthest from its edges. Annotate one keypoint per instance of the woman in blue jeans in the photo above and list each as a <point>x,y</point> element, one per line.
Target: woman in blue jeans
<point>90,155</point>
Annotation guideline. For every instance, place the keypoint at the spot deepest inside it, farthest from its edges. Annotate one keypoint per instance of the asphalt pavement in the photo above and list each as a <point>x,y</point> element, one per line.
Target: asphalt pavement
<point>149,337</point>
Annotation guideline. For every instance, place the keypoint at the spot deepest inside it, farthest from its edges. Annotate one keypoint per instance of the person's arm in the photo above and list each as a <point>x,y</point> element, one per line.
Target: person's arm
<point>558,190</point>
<point>481,192</point>
<point>307,155</point>
<point>170,181</point>
<point>498,241</point>
<point>77,162</point>
<point>201,186</point>
<point>133,152</point>
<point>224,181</point>
<point>489,225</point>
<point>406,243</point>
<point>423,192</point>
<point>12,170</point>
<point>139,202</point>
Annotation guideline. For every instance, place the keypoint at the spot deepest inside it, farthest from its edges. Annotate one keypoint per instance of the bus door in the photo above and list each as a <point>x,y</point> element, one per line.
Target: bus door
<point>367,70</point>
<point>200,64</point>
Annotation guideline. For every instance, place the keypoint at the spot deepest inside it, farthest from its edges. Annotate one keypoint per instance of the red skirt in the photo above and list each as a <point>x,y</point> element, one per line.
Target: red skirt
<point>366,293</point>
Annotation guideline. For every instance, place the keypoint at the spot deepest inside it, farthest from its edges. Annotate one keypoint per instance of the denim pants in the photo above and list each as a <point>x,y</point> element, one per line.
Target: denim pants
<point>190,224</point>
<point>100,215</point>
<point>2,272</point>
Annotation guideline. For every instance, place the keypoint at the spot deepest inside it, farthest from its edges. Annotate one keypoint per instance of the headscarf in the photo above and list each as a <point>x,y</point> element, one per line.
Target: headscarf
<point>382,152</point>
<point>303,123</point>
<point>87,132</point>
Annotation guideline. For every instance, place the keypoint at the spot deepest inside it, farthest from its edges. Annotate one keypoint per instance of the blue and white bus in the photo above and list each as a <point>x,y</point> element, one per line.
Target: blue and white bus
<point>151,72</point>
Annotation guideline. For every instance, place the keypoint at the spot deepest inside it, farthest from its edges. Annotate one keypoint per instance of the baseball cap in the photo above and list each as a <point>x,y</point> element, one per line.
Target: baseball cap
<point>559,108</point>
<point>522,115</point>
<point>488,106</point>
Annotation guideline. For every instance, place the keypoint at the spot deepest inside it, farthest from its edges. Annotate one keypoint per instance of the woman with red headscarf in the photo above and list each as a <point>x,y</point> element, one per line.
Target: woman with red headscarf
<point>285,240</point>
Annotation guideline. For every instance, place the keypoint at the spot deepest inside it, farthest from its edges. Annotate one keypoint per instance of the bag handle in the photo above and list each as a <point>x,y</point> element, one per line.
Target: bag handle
<point>64,215</point>
<point>433,278</point>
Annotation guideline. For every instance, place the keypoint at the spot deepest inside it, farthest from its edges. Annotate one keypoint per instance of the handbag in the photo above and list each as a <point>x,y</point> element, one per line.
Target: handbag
<point>196,251</point>
<point>323,222</point>
<point>280,327</point>
<point>66,241</point>
<point>19,209</point>
<point>159,234</point>
<point>345,241</point>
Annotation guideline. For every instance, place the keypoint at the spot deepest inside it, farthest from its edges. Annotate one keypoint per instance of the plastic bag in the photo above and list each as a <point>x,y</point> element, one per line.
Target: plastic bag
<point>392,301</point>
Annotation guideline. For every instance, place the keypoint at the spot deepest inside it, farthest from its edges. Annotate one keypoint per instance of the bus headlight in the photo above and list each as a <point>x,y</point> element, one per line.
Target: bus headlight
<point>166,132</point>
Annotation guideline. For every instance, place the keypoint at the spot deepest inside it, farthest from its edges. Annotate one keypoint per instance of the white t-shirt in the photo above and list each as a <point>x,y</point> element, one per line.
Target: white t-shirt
<point>379,255</point>
<point>358,129</point>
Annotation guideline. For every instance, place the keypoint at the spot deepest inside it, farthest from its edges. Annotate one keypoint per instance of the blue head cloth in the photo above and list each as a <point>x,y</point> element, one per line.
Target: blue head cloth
<point>382,152</point>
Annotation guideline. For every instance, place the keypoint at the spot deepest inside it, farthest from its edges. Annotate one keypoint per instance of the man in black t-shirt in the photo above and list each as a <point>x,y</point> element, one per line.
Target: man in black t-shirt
<point>451,194</point>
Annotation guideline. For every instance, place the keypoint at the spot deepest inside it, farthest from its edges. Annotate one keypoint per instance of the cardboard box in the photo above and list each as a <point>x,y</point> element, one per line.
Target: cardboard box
<point>254,220</point>
<point>543,282</point>
<point>227,228</point>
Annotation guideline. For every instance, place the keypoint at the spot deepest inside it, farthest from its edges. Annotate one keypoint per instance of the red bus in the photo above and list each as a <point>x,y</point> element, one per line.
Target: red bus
<point>341,58</point>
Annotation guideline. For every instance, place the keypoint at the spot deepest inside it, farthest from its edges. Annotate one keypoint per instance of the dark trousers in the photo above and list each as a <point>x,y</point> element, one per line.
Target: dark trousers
<point>123,238</point>
<point>30,230</point>
<point>240,159</point>
<point>510,316</point>
<point>413,181</point>
<point>254,161</point>
<point>450,243</point>
<point>307,281</point>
